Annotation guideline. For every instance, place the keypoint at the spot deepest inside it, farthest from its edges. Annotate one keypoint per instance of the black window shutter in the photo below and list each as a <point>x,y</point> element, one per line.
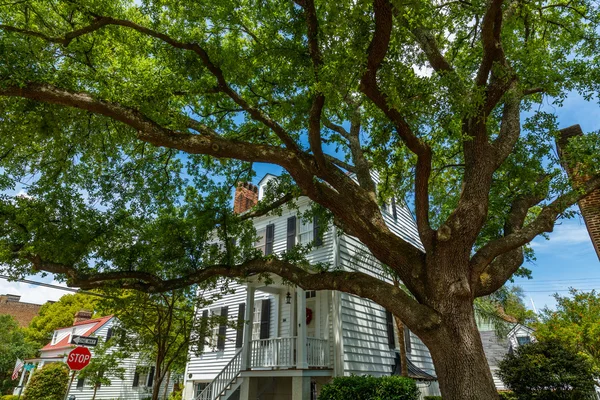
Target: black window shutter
<point>389,321</point>
<point>136,379</point>
<point>109,334</point>
<point>150,377</point>
<point>407,344</point>
<point>394,212</point>
<point>80,382</point>
<point>203,329</point>
<point>239,336</point>
<point>270,234</point>
<point>265,318</point>
<point>222,329</point>
<point>318,240</point>
<point>291,232</point>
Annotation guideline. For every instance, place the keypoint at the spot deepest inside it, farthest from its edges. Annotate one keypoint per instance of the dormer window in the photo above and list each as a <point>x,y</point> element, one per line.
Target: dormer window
<point>54,337</point>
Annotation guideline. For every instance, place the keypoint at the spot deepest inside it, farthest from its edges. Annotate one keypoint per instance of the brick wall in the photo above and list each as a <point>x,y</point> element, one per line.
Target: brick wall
<point>590,205</point>
<point>246,197</point>
<point>23,313</point>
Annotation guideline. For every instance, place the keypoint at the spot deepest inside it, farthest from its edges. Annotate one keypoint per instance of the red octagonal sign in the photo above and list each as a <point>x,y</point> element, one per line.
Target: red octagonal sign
<point>79,358</point>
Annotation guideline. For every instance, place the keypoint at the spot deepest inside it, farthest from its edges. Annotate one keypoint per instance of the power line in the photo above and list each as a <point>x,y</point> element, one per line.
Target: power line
<point>49,285</point>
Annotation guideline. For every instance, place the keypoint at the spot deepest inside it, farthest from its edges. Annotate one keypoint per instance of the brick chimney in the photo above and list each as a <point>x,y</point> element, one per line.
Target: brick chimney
<point>82,315</point>
<point>589,205</point>
<point>246,197</point>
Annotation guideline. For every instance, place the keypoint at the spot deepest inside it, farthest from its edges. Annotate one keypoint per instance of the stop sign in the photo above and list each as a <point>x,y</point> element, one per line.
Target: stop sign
<point>79,358</point>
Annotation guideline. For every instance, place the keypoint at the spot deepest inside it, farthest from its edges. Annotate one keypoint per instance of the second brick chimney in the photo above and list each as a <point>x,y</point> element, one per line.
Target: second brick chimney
<point>82,315</point>
<point>246,197</point>
<point>589,205</point>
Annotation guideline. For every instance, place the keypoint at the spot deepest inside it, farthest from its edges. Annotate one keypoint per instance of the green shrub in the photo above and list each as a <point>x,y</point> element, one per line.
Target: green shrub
<point>370,388</point>
<point>507,395</point>
<point>548,370</point>
<point>432,398</point>
<point>9,397</point>
<point>49,383</point>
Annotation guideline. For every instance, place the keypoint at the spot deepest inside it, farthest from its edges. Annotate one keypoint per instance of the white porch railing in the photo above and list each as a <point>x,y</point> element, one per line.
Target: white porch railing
<point>317,351</point>
<point>273,353</point>
<point>281,352</point>
<point>222,381</point>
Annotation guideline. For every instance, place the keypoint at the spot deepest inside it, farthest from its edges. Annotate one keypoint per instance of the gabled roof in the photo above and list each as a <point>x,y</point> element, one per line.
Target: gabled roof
<point>520,326</point>
<point>96,324</point>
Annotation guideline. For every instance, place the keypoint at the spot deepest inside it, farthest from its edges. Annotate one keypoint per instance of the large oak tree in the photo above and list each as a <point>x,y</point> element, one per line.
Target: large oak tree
<point>128,123</point>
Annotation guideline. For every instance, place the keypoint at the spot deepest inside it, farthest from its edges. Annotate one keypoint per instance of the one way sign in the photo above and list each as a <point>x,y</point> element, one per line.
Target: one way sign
<point>84,340</point>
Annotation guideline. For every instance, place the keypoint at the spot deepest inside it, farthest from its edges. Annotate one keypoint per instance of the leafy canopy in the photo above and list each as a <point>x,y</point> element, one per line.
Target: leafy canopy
<point>575,323</point>
<point>548,370</point>
<point>59,314</point>
<point>13,345</point>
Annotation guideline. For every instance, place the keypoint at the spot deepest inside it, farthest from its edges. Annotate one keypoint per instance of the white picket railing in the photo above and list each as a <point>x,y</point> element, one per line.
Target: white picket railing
<point>223,380</point>
<point>317,352</point>
<point>273,353</point>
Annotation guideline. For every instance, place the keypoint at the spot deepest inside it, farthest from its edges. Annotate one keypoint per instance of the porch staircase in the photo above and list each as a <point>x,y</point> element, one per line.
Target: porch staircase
<point>226,383</point>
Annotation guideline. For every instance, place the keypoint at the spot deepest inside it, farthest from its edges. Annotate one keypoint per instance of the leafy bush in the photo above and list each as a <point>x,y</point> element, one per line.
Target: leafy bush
<point>370,388</point>
<point>547,370</point>
<point>507,396</point>
<point>432,398</point>
<point>49,383</point>
<point>9,397</point>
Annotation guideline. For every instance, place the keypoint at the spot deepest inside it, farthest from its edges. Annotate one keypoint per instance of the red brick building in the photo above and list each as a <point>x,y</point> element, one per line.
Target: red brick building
<point>22,312</point>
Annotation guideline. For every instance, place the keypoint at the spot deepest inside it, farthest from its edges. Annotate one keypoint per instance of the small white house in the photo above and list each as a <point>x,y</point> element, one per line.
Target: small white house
<point>137,379</point>
<point>496,347</point>
<point>294,340</point>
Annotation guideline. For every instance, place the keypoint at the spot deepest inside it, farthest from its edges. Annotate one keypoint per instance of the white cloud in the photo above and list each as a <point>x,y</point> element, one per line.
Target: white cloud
<point>564,235</point>
<point>33,293</point>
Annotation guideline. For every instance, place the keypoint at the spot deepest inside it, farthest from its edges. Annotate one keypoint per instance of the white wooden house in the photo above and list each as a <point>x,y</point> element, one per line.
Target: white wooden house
<point>294,340</point>
<point>497,347</point>
<point>137,379</point>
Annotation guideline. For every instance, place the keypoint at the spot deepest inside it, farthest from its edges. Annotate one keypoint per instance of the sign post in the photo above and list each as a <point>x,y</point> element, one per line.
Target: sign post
<point>77,360</point>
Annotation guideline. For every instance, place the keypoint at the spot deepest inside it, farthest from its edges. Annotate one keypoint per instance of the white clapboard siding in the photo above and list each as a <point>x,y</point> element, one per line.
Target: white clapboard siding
<point>206,366</point>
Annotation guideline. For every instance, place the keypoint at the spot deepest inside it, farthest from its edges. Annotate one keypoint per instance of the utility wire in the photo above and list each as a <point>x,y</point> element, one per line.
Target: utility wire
<point>49,285</point>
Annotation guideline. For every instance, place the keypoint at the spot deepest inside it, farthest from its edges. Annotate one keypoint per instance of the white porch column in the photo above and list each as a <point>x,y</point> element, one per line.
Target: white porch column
<point>301,359</point>
<point>248,317</point>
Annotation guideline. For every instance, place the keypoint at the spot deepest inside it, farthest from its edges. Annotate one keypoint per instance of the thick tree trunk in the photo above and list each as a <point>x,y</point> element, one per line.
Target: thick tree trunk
<point>459,359</point>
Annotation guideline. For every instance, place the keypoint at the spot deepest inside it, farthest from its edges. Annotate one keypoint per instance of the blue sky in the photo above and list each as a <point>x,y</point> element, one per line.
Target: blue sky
<point>566,260</point>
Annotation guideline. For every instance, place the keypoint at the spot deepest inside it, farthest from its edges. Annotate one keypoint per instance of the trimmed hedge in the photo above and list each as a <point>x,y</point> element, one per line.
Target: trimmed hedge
<point>48,383</point>
<point>507,395</point>
<point>370,388</point>
<point>9,397</point>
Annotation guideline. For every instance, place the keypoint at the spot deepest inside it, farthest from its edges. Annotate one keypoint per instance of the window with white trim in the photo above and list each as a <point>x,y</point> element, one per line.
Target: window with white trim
<point>261,243</point>
<point>54,337</point>
<point>214,332</point>
<point>256,319</point>
<point>305,231</point>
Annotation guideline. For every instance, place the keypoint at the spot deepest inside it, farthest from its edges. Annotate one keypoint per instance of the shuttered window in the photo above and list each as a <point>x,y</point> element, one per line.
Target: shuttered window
<point>136,379</point>
<point>394,212</point>
<point>265,318</point>
<point>318,239</point>
<point>109,334</point>
<point>270,238</point>
<point>291,233</point>
<point>407,343</point>
<point>203,330</point>
<point>389,321</point>
<point>80,383</point>
<point>150,377</point>
<point>222,329</point>
<point>239,336</point>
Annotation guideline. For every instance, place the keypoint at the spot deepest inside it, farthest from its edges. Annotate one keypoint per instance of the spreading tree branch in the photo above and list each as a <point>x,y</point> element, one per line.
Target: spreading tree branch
<point>414,314</point>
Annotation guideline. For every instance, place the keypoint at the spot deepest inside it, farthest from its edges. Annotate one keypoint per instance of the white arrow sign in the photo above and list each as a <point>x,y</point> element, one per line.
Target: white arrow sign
<point>84,340</point>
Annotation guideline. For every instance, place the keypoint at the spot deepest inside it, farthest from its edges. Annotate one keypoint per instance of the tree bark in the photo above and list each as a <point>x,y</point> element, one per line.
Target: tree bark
<point>460,362</point>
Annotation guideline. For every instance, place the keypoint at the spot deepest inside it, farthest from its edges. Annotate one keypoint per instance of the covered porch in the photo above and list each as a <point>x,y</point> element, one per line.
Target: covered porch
<point>300,339</point>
